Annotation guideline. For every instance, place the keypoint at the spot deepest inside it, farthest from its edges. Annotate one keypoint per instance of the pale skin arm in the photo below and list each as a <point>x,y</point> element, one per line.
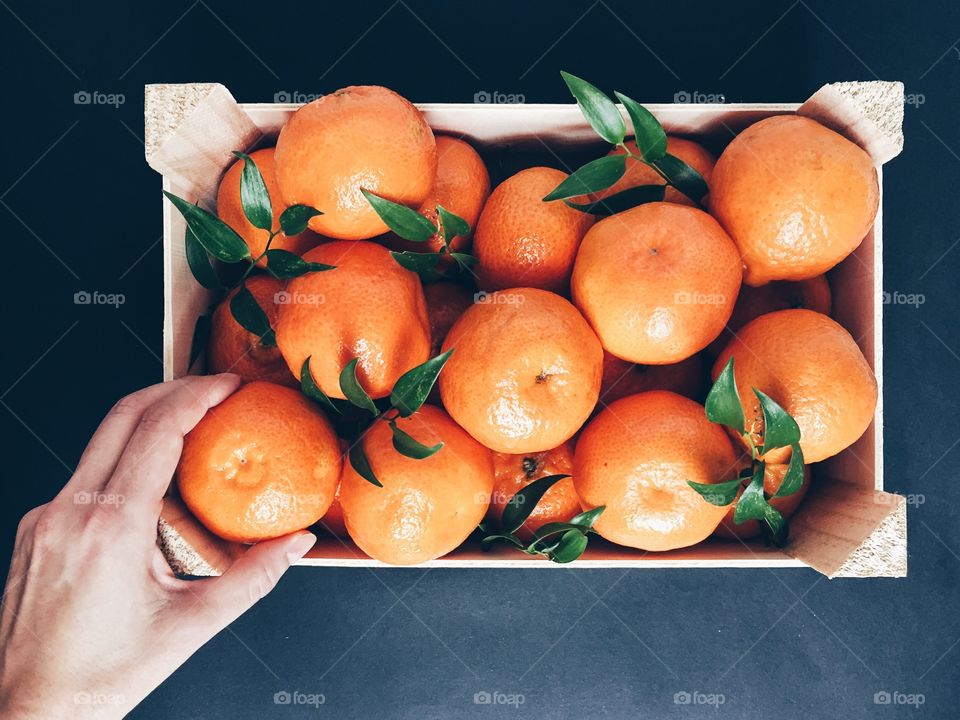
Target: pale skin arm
<point>92,618</point>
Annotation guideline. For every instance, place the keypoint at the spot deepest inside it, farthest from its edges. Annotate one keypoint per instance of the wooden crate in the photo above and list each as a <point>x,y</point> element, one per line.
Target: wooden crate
<point>847,526</point>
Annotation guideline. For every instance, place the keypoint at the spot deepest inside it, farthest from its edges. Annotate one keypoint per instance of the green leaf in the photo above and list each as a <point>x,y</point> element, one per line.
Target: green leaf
<point>752,505</point>
<point>360,463</point>
<point>779,429</point>
<point>199,262</point>
<point>587,518</point>
<point>417,262</point>
<point>216,236</point>
<point>352,390</point>
<point>463,260</point>
<point>723,401</point>
<point>793,478</point>
<point>596,175</point>
<point>452,225</point>
<point>409,446</point>
<point>407,223</point>
<point>201,334</point>
<point>519,507</point>
<point>309,387</point>
<point>777,526</point>
<point>720,494</point>
<point>554,528</point>
<point>571,546</point>
<point>647,131</point>
<point>597,108</point>
<point>254,197</point>
<point>413,387</point>
<point>251,316</point>
<point>294,219</point>
<point>285,264</point>
<point>623,200</point>
<point>683,177</point>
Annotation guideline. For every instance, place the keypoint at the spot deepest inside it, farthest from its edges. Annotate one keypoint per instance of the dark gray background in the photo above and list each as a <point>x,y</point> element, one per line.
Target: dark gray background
<point>80,210</point>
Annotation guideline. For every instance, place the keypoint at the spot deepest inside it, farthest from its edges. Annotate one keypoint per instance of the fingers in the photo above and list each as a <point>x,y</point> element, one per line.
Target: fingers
<point>105,447</point>
<point>256,573</point>
<point>150,457</point>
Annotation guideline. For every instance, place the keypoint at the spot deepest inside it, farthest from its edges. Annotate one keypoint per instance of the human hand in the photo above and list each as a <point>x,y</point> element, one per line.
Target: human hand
<point>93,618</point>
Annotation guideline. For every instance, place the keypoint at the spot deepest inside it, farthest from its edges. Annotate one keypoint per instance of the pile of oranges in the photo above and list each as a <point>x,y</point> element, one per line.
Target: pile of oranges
<point>540,337</point>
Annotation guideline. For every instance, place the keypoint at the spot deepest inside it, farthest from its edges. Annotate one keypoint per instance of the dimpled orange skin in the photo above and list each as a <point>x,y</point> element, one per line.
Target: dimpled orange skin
<point>426,508</point>
<point>368,307</point>
<point>637,173</point>
<point>234,349</point>
<point>231,212</point>
<point>358,137</point>
<point>521,241</point>
<point>462,186</point>
<point>813,368</point>
<point>332,521</point>
<point>657,282</point>
<point>513,472</point>
<point>636,457</point>
<point>796,197</point>
<point>262,464</point>
<point>525,371</point>
<point>621,378</point>
<point>787,505</point>
<point>752,302</point>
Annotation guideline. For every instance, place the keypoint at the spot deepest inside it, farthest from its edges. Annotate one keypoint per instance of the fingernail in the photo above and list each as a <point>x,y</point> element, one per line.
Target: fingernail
<point>301,545</point>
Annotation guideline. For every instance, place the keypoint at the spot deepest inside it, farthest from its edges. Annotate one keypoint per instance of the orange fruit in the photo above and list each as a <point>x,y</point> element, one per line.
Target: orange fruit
<point>359,137</point>
<point>462,186</point>
<point>657,282</point>
<point>521,241</point>
<point>425,508</point>
<point>796,197</point>
<point>636,457</point>
<point>368,308</point>
<point>262,464</point>
<point>693,154</point>
<point>514,472</point>
<point>234,349</point>
<point>752,302</point>
<point>446,302</point>
<point>622,378</point>
<point>231,212</point>
<point>787,505</point>
<point>525,371</point>
<point>813,368</point>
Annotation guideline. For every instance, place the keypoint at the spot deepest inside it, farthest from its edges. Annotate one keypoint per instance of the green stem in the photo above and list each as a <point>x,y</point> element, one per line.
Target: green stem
<point>659,172</point>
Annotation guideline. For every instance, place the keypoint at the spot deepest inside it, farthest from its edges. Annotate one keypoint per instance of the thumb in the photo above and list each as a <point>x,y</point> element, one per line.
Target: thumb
<point>250,578</point>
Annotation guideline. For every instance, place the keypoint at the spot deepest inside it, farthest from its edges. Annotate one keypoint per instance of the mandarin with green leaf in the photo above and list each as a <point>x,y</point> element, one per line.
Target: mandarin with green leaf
<point>636,458</point>
<point>426,507</point>
<point>368,308</point>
